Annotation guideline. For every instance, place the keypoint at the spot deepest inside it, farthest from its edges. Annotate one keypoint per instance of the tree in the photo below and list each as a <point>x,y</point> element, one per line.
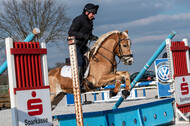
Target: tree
<point>4,79</point>
<point>19,17</point>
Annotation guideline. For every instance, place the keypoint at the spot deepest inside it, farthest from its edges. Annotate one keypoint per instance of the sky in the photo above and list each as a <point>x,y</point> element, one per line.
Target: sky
<point>149,22</point>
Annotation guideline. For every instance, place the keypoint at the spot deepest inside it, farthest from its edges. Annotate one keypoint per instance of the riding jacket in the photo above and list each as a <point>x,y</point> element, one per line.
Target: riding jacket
<point>81,28</point>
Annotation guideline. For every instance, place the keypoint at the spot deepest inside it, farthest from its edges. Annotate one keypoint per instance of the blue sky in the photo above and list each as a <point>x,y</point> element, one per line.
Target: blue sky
<point>148,21</point>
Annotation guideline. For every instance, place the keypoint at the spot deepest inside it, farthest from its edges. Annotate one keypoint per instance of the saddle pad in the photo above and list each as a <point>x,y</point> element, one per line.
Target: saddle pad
<point>66,72</point>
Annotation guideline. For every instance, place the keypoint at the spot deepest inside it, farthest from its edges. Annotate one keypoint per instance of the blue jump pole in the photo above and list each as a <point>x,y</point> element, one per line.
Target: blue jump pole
<point>148,64</point>
<point>3,67</point>
<point>35,31</point>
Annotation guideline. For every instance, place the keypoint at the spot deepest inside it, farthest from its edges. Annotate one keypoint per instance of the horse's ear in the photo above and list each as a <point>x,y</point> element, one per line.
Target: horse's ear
<point>126,31</point>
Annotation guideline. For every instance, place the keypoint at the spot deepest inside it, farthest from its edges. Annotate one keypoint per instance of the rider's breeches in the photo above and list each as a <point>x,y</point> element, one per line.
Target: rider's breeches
<point>79,56</point>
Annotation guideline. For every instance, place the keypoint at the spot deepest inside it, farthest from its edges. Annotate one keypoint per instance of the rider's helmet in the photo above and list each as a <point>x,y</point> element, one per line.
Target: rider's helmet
<point>91,8</point>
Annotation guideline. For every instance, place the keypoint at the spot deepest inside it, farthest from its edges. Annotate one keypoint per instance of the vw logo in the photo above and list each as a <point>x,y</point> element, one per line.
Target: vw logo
<point>163,73</point>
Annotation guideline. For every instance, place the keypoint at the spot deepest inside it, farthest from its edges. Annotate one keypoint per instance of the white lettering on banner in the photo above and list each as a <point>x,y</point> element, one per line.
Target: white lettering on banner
<point>182,86</point>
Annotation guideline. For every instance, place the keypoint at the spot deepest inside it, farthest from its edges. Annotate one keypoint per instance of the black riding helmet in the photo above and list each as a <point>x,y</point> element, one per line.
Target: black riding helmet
<point>91,8</point>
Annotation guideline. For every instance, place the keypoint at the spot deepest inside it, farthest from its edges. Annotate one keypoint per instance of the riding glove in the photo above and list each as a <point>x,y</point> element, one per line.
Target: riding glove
<point>90,37</point>
<point>93,38</point>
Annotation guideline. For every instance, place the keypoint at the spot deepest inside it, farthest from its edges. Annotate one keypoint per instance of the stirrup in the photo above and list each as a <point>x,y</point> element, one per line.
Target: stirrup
<point>82,89</point>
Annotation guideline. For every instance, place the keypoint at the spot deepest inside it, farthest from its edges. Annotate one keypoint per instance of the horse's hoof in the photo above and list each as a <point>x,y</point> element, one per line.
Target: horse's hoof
<point>53,107</point>
<point>125,94</point>
<point>90,85</point>
<point>87,102</point>
<point>112,93</point>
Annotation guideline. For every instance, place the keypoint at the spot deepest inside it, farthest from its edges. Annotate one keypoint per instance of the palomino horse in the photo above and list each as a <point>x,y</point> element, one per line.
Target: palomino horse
<point>102,65</point>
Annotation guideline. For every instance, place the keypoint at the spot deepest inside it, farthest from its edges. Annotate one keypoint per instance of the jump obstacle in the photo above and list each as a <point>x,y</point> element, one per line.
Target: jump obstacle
<point>103,94</point>
<point>154,113</point>
<point>75,79</point>
<point>179,69</point>
<point>150,114</point>
<point>36,31</point>
<point>28,83</point>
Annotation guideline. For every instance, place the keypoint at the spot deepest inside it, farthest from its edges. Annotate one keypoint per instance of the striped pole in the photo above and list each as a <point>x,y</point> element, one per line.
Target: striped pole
<point>75,79</point>
<point>35,31</point>
<point>148,64</point>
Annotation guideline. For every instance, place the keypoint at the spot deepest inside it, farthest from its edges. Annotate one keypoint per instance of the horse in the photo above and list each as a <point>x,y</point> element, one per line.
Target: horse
<point>102,67</point>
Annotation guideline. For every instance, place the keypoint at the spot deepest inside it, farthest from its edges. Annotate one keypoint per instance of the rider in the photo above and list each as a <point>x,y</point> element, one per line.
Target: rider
<point>81,28</point>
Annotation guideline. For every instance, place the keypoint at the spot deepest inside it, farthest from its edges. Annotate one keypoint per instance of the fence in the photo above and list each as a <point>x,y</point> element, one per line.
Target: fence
<point>4,97</point>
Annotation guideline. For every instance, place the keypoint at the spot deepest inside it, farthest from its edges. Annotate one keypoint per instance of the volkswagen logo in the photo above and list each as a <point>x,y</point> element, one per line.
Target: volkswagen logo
<point>163,73</point>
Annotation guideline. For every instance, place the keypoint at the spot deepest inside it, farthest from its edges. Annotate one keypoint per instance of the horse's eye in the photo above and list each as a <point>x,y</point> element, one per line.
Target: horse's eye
<point>124,45</point>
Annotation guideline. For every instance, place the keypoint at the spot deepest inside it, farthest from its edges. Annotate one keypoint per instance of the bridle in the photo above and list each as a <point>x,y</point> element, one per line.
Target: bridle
<point>120,52</point>
<point>120,49</point>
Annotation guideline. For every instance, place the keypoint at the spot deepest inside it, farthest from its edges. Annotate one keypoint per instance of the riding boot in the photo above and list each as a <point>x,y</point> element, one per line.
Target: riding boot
<point>81,75</point>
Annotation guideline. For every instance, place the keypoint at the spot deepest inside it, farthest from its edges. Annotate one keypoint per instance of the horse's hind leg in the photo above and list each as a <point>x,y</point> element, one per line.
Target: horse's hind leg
<point>57,99</point>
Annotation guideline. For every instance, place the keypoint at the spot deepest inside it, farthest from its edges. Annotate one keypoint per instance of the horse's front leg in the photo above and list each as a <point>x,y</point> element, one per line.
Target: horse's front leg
<point>125,79</point>
<point>109,79</point>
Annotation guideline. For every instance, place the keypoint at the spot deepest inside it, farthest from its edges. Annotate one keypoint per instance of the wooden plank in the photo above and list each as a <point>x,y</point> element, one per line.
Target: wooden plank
<point>4,95</point>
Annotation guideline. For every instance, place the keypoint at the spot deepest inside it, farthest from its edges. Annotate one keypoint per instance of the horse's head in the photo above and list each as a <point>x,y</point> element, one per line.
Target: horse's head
<point>123,48</point>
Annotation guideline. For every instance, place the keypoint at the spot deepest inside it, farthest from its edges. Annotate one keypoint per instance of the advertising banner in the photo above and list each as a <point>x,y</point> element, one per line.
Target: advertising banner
<point>162,76</point>
<point>34,107</point>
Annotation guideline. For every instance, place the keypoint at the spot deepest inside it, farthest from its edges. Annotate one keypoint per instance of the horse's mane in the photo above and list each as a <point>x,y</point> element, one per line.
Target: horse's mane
<point>97,44</point>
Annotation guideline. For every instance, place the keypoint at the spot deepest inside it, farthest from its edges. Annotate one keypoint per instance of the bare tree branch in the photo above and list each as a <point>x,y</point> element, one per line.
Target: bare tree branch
<point>19,18</point>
